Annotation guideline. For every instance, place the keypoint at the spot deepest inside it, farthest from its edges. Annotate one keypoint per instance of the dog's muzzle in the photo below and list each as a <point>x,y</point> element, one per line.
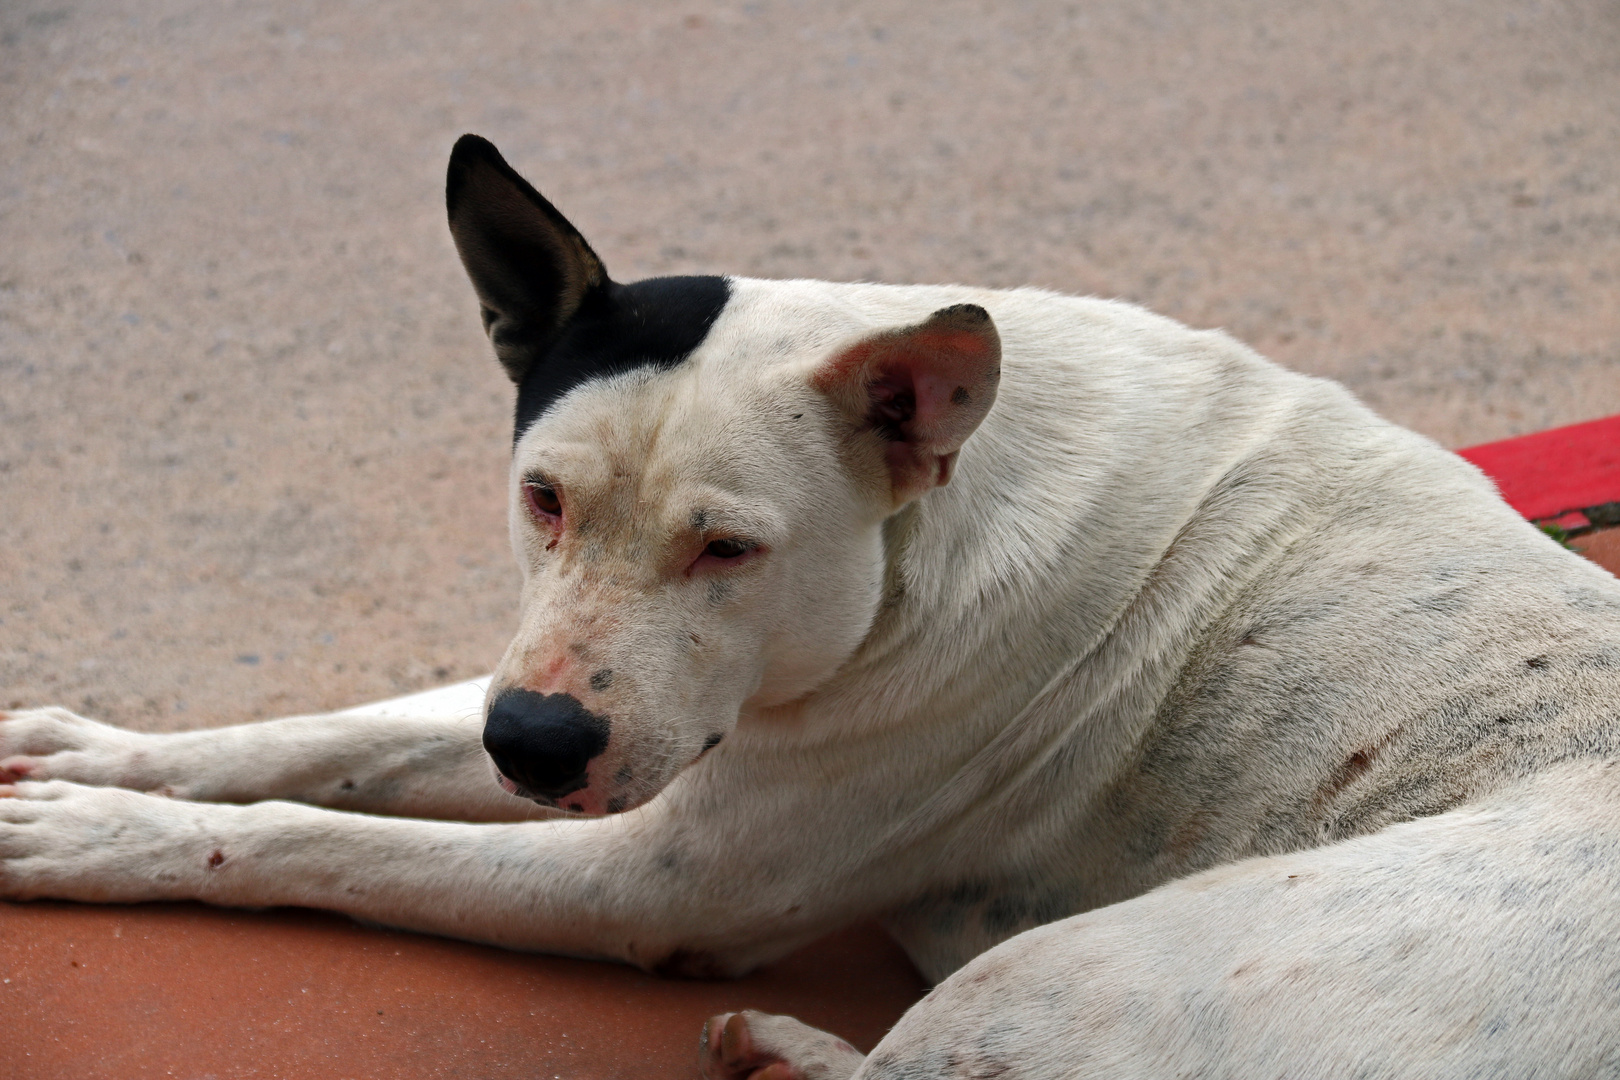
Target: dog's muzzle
<point>543,742</point>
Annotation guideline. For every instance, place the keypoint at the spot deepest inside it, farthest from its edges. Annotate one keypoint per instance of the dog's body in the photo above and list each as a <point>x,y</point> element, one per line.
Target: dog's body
<point>1179,616</point>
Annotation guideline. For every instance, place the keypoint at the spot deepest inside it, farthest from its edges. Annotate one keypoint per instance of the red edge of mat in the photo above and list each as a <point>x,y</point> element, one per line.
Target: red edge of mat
<point>1555,471</point>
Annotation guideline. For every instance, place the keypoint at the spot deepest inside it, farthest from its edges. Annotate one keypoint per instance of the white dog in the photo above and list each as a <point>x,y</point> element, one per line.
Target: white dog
<point>1179,714</point>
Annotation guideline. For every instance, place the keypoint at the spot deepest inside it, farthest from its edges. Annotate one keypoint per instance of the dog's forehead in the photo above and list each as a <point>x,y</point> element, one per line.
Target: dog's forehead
<point>681,355</point>
<point>620,423</point>
<point>713,331</point>
<point>768,323</point>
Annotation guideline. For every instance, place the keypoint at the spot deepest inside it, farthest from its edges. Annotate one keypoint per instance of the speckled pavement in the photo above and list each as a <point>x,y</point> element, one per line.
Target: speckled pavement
<point>252,445</point>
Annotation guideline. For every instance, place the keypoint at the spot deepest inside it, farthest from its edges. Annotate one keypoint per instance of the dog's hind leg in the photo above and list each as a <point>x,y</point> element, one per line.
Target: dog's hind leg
<point>1484,942</point>
<point>410,766</point>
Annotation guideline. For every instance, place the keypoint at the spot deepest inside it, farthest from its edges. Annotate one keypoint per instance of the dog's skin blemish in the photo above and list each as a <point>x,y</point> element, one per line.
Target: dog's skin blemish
<point>699,521</point>
<point>623,776</point>
<point>695,639</point>
<point>602,680</point>
<point>216,860</point>
<point>1356,764</point>
<point>959,396</point>
<point>1541,713</point>
<point>1354,767</point>
<point>712,741</point>
<point>798,416</point>
<point>347,784</point>
<point>1538,663</point>
<point>615,804</point>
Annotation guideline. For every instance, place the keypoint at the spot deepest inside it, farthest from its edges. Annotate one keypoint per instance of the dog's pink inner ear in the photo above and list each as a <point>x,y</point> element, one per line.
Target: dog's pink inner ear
<point>923,388</point>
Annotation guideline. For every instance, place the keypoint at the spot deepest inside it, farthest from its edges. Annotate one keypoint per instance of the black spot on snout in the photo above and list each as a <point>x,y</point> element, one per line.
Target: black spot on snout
<point>602,680</point>
<point>543,741</point>
<point>711,742</point>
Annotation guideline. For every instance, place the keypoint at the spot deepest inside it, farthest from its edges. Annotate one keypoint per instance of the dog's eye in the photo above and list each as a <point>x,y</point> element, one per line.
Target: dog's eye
<point>729,548</point>
<point>543,499</point>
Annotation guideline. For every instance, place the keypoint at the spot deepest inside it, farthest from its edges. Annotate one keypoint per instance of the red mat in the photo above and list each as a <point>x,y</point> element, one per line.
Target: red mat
<point>1551,473</point>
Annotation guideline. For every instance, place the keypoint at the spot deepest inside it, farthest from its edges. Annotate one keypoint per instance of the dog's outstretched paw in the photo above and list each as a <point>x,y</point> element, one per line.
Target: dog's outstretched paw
<point>102,844</point>
<point>751,1045</point>
<point>54,744</point>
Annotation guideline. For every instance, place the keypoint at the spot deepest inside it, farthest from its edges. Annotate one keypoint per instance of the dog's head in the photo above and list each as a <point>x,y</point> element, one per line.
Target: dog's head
<point>701,471</point>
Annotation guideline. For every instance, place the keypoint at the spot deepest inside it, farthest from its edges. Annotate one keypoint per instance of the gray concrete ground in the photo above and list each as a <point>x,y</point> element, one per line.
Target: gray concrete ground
<point>252,444</point>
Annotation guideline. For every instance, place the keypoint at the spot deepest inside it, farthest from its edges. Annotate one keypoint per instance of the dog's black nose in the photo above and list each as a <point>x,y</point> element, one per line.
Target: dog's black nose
<point>543,741</point>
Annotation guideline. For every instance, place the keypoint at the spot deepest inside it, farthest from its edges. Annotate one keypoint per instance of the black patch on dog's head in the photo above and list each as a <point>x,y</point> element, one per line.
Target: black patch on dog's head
<point>554,316</point>
<point>656,323</point>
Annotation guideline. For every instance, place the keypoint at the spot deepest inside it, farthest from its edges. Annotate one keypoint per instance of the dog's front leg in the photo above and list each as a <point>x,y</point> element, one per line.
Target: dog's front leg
<point>638,887</point>
<point>427,767</point>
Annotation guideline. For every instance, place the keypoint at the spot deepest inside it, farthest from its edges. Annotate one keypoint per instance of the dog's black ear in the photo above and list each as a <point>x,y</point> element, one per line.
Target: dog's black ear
<point>531,268</point>
<point>922,390</point>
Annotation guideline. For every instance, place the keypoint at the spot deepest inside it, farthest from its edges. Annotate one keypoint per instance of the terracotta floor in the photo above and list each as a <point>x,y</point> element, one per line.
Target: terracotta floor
<point>180,990</point>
